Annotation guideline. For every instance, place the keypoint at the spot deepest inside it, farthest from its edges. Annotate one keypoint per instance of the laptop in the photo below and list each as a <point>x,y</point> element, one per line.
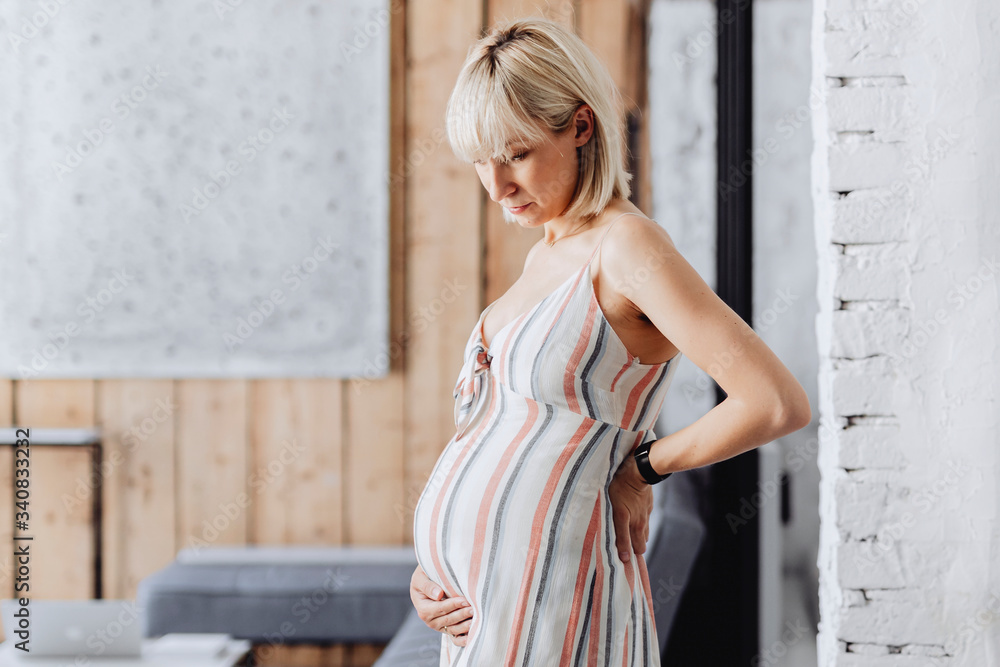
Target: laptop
<point>73,628</point>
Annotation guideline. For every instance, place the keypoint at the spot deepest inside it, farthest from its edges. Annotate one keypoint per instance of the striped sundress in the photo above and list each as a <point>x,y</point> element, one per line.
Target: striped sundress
<point>515,516</point>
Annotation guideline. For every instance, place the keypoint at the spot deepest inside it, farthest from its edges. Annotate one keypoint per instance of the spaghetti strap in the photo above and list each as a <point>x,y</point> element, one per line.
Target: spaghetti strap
<point>603,236</point>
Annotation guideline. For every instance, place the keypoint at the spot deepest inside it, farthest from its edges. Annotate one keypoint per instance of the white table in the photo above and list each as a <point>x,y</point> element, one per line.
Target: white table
<point>173,650</point>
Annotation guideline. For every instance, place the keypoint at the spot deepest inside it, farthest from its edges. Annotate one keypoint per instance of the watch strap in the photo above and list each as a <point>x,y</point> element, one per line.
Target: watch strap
<point>641,455</point>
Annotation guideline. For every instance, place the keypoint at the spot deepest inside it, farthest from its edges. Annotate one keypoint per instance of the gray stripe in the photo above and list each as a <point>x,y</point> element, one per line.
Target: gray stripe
<point>611,553</point>
<point>586,622</point>
<point>501,516</point>
<point>654,390</point>
<point>574,480</point>
<point>456,488</point>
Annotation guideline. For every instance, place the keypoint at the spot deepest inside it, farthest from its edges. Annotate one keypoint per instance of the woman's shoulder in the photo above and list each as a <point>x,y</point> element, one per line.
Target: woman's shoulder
<point>634,233</point>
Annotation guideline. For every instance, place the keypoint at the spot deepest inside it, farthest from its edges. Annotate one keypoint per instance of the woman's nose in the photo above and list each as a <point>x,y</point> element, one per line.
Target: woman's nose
<point>497,182</point>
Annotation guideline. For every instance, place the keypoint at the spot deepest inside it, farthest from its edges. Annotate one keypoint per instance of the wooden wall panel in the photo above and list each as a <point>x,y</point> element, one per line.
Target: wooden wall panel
<point>375,443</point>
<point>137,422</point>
<point>296,472</point>
<point>443,226</point>
<point>62,556</point>
<point>374,465</point>
<point>603,25</point>
<point>215,505</point>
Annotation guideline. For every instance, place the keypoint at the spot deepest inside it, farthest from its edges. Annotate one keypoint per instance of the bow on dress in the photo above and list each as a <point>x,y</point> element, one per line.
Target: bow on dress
<point>471,385</point>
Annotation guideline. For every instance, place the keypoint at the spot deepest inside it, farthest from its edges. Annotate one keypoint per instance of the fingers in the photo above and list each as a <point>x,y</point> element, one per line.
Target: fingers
<point>638,542</point>
<point>461,627</point>
<point>458,623</point>
<point>622,533</point>
<point>438,613</point>
<point>461,618</point>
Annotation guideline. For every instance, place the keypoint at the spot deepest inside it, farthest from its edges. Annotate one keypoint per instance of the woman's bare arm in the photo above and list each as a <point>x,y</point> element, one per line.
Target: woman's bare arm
<point>763,401</point>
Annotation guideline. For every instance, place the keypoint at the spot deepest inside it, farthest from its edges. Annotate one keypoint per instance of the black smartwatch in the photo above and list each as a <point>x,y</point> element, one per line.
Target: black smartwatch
<point>641,455</point>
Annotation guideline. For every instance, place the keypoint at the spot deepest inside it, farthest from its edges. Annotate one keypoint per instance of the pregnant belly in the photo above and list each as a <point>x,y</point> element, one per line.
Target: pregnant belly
<point>513,501</point>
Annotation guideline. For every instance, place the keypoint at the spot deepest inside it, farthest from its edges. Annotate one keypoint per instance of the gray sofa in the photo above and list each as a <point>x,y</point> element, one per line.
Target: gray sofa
<point>321,595</point>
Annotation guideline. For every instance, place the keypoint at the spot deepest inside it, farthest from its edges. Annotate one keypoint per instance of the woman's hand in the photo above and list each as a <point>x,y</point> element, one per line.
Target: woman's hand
<point>631,504</point>
<point>437,611</point>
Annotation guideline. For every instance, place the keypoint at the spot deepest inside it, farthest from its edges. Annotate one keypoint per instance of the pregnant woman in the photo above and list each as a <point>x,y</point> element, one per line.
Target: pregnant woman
<point>530,531</point>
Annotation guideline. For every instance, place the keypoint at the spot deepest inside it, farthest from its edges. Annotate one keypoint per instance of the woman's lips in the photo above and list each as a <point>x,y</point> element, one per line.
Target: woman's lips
<point>519,209</point>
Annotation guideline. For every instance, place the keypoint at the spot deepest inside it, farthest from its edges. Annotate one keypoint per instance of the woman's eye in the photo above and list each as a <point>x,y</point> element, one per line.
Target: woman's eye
<point>520,156</point>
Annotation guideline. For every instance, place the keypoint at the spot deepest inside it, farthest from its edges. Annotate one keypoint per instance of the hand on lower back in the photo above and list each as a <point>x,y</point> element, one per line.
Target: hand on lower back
<point>631,504</point>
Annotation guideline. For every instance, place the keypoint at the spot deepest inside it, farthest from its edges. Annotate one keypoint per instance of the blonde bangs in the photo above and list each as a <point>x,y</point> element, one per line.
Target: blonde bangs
<point>483,120</point>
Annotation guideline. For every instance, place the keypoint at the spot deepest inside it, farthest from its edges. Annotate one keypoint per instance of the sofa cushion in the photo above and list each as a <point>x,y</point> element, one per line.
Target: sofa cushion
<point>282,594</point>
<point>415,645</point>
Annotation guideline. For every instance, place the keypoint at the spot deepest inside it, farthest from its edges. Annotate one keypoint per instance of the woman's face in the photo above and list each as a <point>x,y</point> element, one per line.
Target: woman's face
<point>538,181</point>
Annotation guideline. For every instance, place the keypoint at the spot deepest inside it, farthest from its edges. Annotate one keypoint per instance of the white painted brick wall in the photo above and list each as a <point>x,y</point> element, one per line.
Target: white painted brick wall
<point>906,191</point>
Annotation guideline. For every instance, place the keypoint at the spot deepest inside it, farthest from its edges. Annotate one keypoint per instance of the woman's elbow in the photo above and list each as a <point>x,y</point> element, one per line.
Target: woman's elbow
<point>793,411</point>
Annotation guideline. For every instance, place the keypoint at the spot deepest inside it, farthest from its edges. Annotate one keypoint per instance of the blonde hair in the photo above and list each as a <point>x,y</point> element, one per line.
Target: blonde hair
<point>529,74</point>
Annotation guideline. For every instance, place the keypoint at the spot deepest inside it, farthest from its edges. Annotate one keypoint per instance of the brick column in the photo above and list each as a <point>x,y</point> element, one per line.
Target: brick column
<point>906,187</point>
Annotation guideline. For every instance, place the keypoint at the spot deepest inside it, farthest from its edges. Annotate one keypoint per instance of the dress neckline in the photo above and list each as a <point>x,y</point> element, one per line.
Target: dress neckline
<point>593,298</point>
<point>527,313</point>
<point>482,316</point>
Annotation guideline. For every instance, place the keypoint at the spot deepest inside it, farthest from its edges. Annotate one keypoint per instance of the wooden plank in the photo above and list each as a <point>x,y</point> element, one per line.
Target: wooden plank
<point>6,402</point>
<point>296,471</point>
<point>374,445</point>
<point>443,217</point>
<point>603,25</point>
<point>374,465</point>
<point>284,655</point>
<point>364,655</point>
<point>62,556</point>
<point>213,494</point>
<point>637,74</point>
<point>562,11</point>
<point>137,420</point>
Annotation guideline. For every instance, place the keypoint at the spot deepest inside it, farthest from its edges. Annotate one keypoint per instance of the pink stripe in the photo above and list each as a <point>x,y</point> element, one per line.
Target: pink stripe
<point>537,529</point>
<point>596,613</point>
<point>581,587</point>
<point>562,307</point>
<point>644,575</point>
<point>635,396</point>
<point>483,518</point>
<point>436,512</point>
<point>582,344</point>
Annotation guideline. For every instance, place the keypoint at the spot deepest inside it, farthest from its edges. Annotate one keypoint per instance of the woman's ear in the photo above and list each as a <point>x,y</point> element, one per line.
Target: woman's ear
<point>584,122</point>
